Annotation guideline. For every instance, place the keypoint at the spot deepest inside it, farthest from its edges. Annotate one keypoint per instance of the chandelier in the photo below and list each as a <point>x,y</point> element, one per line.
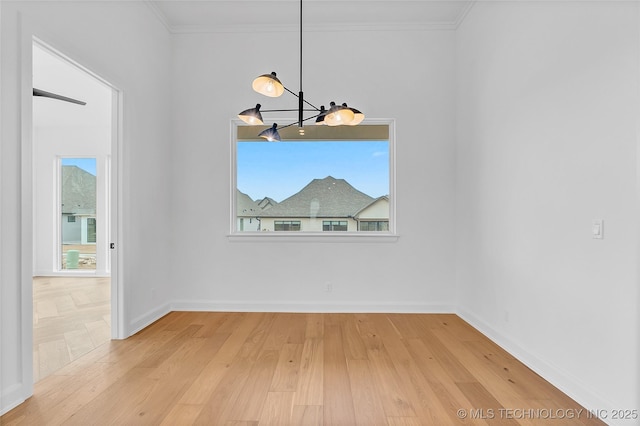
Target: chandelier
<point>269,85</point>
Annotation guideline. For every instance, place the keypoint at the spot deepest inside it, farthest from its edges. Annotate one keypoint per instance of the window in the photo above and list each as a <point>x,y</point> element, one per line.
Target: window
<point>329,179</point>
<point>334,225</point>
<point>374,225</point>
<point>286,225</point>
<point>77,192</point>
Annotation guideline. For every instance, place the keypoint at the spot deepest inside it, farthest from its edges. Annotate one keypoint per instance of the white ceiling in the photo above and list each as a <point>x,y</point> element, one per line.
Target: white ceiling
<point>186,16</point>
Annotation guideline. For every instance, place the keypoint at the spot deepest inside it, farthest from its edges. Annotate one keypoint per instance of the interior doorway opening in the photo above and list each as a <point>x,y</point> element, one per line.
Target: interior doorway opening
<point>74,134</point>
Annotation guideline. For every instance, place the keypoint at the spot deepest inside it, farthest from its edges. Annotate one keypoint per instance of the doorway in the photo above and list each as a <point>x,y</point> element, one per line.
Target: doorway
<point>74,132</point>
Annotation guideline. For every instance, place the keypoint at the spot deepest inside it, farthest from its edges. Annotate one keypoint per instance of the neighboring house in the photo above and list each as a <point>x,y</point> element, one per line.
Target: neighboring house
<point>375,216</point>
<point>248,212</point>
<point>78,206</point>
<point>327,204</point>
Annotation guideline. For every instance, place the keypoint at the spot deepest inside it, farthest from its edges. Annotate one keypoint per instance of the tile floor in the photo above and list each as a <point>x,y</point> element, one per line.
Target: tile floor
<point>71,317</point>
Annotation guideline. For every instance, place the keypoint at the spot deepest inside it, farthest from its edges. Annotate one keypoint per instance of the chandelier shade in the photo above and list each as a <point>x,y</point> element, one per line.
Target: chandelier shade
<point>320,118</point>
<point>252,115</point>
<point>271,134</point>
<point>269,85</point>
<point>358,117</point>
<point>339,115</point>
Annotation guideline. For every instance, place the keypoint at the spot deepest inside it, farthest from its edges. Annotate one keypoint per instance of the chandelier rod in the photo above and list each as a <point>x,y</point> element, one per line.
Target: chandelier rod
<point>300,46</point>
<point>301,97</point>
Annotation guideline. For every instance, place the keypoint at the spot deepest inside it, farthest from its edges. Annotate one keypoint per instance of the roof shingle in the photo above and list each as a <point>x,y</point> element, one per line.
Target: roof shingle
<point>78,191</point>
<point>328,197</point>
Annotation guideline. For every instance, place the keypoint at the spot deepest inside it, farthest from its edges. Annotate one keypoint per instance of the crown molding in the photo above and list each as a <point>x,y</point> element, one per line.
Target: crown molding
<point>342,27</point>
<point>345,27</point>
<point>465,11</point>
<point>153,7</point>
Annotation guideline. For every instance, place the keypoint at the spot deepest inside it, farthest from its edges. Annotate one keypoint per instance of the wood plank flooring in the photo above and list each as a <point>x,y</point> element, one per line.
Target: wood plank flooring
<point>280,369</point>
<point>71,317</point>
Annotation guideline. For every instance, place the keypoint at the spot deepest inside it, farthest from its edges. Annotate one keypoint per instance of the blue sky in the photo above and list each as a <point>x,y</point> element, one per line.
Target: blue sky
<point>87,164</point>
<point>280,169</point>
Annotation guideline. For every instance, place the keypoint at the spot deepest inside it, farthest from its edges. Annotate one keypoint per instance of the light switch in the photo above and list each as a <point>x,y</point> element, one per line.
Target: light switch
<point>597,229</point>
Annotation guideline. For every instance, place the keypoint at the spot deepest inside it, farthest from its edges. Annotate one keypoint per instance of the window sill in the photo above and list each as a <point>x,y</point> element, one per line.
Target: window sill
<point>313,237</point>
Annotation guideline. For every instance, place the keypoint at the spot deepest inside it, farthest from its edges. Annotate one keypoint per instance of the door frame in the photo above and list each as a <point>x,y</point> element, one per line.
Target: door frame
<point>115,200</point>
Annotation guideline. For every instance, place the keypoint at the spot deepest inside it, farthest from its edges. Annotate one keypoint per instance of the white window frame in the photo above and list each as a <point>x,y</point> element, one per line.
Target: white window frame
<point>103,182</point>
<point>378,236</point>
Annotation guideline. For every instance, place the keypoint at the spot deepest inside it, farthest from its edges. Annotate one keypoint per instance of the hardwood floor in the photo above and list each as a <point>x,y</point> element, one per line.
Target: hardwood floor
<point>71,317</point>
<point>299,369</point>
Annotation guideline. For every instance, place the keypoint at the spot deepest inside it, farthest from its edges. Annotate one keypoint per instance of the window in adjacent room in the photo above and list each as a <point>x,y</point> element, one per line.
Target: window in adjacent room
<point>78,201</point>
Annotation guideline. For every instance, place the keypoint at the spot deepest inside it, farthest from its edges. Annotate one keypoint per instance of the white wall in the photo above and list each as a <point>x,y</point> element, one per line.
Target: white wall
<point>547,142</point>
<point>126,45</point>
<point>387,76</point>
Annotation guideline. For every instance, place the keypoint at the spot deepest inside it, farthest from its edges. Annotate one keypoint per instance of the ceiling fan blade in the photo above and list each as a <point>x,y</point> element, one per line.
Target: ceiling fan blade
<point>38,92</point>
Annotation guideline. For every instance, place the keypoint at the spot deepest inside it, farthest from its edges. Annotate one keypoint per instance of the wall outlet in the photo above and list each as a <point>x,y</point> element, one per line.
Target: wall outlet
<point>328,287</point>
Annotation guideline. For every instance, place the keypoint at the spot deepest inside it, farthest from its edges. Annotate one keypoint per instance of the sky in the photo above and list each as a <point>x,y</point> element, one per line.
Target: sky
<point>86,164</point>
<point>281,169</point>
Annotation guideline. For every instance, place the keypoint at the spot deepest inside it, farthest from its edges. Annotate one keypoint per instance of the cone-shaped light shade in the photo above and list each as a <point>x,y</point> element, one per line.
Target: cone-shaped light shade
<point>320,118</point>
<point>357,118</point>
<point>268,85</point>
<point>338,115</point>
<point>271,134</point>
<point>251,116</point>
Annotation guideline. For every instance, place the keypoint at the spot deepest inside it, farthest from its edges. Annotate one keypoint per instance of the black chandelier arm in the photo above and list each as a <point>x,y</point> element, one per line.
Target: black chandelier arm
<point>290,91</point>
<point>287,110</point>
<point>315,108</point>
<point>312,117</point>
<point>296,122</point>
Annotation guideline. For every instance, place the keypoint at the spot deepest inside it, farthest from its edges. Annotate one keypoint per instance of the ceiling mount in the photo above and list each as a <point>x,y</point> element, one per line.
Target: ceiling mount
<point>269,85</point>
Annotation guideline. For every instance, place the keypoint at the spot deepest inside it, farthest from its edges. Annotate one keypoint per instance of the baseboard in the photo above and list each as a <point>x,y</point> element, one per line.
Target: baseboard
<point>11,398</point>
<point>571,386</point>
<point>152,316</point>
<point>310,307</point>
<point>145,320</point>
